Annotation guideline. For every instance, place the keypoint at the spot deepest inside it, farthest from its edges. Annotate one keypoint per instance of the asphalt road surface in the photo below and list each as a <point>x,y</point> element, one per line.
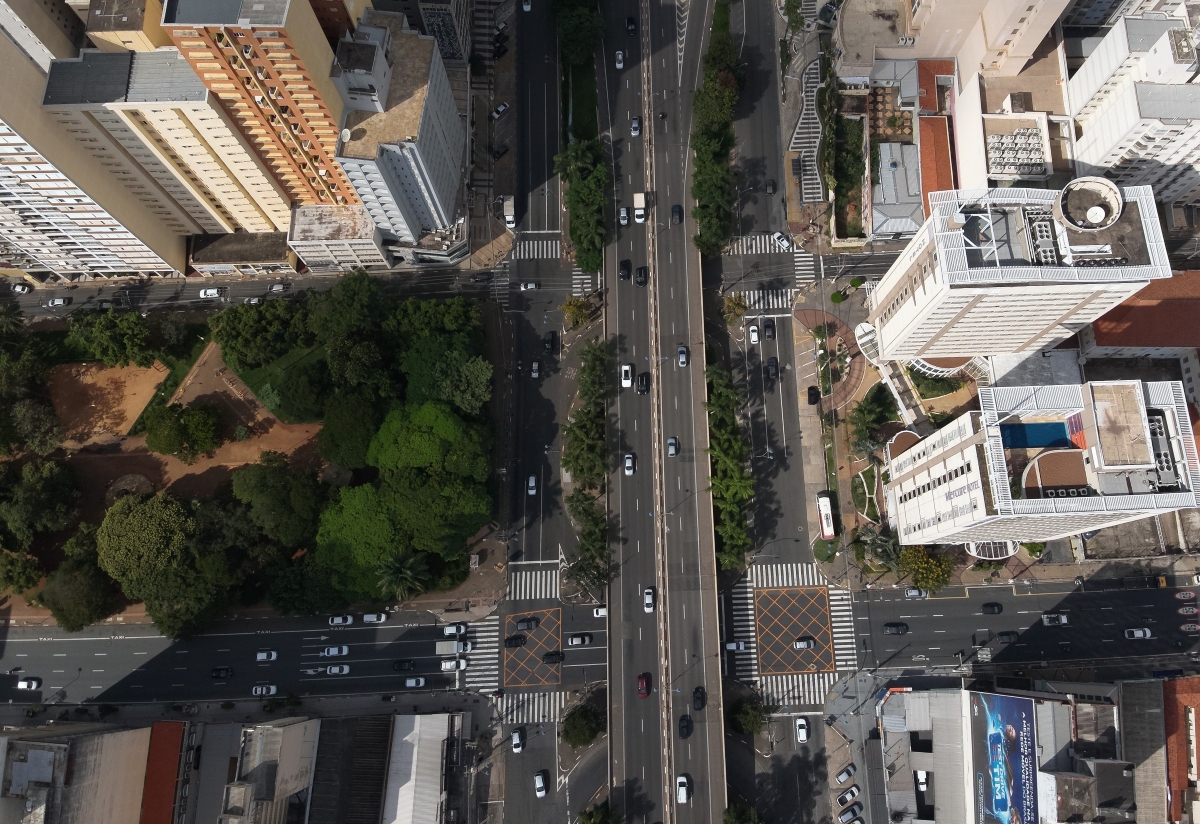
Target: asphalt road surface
<point>537,117</point>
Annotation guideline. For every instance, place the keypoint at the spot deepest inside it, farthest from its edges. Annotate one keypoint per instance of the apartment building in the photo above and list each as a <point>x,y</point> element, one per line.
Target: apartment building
<point>126,25</point>
<point>1039,463</point>
<point>268,63</point>
<point>336,238</point>
<point>1107,12</point>
<point>42,29</point>
<point>147,117</point>
<point>404,159</point>
<point>1006,271</point>
<point>447,21</point>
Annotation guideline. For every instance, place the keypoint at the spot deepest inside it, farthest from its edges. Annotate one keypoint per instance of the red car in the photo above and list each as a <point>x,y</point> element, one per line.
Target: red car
<point>643,685</point>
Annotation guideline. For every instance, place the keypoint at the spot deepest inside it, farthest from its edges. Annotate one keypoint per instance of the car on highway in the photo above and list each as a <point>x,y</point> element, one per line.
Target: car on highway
<point>374,617</point>
<point>772,368</point>
<point>264,690</point>
<point>635,127</point>
<point>279,288</point>
<point>682,354</point>
<point>500,152</point>
<point>222,672</point>
<point>527,623</point>
<point>814,396</point>
<point>458,628</point>
<point>1008,637</point>
<point>648,599</point>
<point>677,214</point>
<point>414,683</point>
<point>404,665</point>
<point>849,795</point>
<point>338,669</point>
<point>770,187</point>
<point>769,328</point>
<point>801,730</point>
<point>514,641</point>
<point>783,241</point>
<point>1055,619</point>
<point>539,777</point>
<point>335,652</point>
<point>481,277</point>
<point>736,646</point>
<point>449,665</point>
<point>623,216</point>
<point>753,333</point>
<point>581,639</point>
<point>643,275</point>
<point>914,592</point>
<point>683,788</point>
<point>531,286</point>
<point>341,620</point>
<point>630,25</point>
<point>531,485</point>
<point>992,608</point>
<point>672,446</point>
<point>533,369</point>
<point>626,269</point>
<point>518,739</point>
<point>54,303</point>
<point>626,375</point>
<point>803,642</point>
<point>846,774</point>
<point>850,812</point>
<point>210,293</point>
<point>620,59</point>
<point>499,111</point>
<point>643,383</point>
<point>600,612</point>
<point>630,463</point>
<point>22,288</point>
<point>554,657</point>
<point>685,726</point>
<point>1138,634</point>
<point>895,628</point>
<point>266,655</point>
<point>699,699</point>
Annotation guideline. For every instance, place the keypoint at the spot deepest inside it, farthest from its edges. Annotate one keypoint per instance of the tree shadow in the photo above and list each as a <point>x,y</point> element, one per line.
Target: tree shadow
<point>790,790</point>
<point>631,803</point>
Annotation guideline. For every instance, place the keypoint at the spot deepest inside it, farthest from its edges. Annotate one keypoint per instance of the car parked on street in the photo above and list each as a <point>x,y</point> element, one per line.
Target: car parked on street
<point>264,690</point>
<point>514,641</point>
<point>580,639</point>
<point>600,612</point>
<point>22,288</point>
<point>913,592</point>
<point>554,657</point>
<point>341,620</point>
<point>375,618</point>
<point>849,795</point>
<point>814,396</point>
<point>753,334</point>
<point>620,59</point>
<point>992,608</point>
<point>846,773</point>
<point>895,628</point>
<point>850,812</point>
<point>801,730</point>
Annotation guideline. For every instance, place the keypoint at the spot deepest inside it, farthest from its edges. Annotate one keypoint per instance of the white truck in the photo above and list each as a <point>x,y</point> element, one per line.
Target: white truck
<point>639,207</point>
<point>452,647</point>
<point>510,212</point>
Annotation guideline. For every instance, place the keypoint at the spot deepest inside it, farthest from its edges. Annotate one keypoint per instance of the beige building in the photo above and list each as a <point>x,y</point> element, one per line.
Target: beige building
<point>268,63</point>
<point>147,116</point>
<point>42,29</point>
<point>126,25</point>
<point>336,238</point>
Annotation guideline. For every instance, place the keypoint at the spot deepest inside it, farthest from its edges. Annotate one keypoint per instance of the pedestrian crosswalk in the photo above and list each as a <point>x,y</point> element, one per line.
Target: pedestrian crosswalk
<point>841,621</point>
<point>501,279</point>
<point>806,139</point>
<point>533,584</point>
<point>582,283</point>
<point>806,267</point>
<point>759,243</point>
<point>515,709</point>
<point>483,670</point>
<point>786,575</point>
<point>807,689</point>
<point>763,300</point>
<point>483,32</point>
<point>537,250</point>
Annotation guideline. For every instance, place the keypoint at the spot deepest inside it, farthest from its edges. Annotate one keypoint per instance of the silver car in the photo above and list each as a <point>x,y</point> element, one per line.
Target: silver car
<point>635,127</point>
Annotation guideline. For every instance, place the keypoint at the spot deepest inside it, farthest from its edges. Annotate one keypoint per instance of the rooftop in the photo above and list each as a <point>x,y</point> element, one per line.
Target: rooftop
<point>865,24</point>
<point>356,57</point>
<point>1039,80</point>
<point>325,223</point>
<point>116,15</point>
<point>937,166</point>
<point>92,78</point>
<point>411,57</point>
<point>163,75</point>
<point>1164,101</point>
<point>1162,314</point>
<point>231,12</point>
<point>239,247</point>
<point>928,72</point>
<point>1121,424</point>
<point>896,197</point>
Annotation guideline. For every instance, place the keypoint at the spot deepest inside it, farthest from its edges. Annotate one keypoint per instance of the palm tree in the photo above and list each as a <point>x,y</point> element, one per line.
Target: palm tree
<point>11,318</point>
<point>599,814</point>
<point>404,574</point>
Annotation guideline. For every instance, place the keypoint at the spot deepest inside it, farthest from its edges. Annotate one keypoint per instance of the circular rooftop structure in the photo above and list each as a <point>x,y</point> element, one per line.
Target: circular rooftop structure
<point>1089,204</point>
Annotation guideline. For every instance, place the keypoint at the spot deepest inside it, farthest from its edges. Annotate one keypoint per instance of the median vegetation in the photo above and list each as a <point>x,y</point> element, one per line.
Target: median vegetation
<point>714,184</point>
<point>732,484</point>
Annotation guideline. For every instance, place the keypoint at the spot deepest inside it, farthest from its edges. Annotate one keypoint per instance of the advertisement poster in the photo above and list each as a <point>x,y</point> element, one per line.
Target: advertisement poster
<point>1004,756</point>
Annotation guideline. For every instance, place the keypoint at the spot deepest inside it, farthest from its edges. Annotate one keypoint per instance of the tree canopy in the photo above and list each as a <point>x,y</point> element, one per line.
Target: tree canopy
<point>116,338</point>
<point>39,497</point>
<point>183,431</point>
<point>284,502</point>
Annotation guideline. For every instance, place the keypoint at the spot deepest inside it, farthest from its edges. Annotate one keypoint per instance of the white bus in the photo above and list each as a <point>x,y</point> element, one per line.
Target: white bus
<point>825,511</point>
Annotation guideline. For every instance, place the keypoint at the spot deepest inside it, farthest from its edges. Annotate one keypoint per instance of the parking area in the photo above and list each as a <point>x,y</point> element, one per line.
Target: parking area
<point>784,617</point>
<point>524,665</point>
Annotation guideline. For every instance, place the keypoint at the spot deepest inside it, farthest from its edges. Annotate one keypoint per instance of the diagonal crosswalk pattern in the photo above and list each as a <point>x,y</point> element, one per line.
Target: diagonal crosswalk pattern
<point>537,250</point>
<point>516,708</point>
<point>532,584</point>
<point>483,668</point>
<point>582,283</point>
<point>806,139</point>
<point>806,689</point>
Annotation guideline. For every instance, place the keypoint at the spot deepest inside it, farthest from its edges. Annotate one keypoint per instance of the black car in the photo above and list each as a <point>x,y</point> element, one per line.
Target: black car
<point>772,368</point>
<point>499,153</point>
<point>631,25</point>
<point>814,396</point>
<point>898,628</point>
<point>677,213</point>
<point>685,726</point>
<point>698,699</point>
<point>528,623</point>
<point>481,277</point>
<point>643,275</point>
<point>993,609</point>
<point>643,383</point>
<point>555,657</point>
<point>499,51</point>
<point>769,328</point>
<point>626,269</point>
<point>514,641</point>
<point>548,340</point>
<point>222,672</point>
<point>1007,637</point>
<point>770,187</point>
<point>500,39</point>
<point>404,666</point>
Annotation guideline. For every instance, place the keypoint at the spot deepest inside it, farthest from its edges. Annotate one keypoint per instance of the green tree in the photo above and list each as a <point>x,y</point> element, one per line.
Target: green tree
<point>581,164</point>
<point>350,423</point>
<point>576,311</point>
<point>354,306</point>
<point>749,716</point>
<point>599,814</point>
<point>714,103</point>
<point>926,569</point>
<point>183,431</point>
<point>12,319</point>
<point>734,309</point>
<point>303,390</point>
<point>403,575</point>
<point>740,814</point>
<point>465,382</point>
<point>116,338</point>
<point>142,539</point>
<point>592,567</point>
<point>172,328</point>
<point>358,363</point>
<point>19,571</point>
<point>252,336</point>
<point>881,546</point>
<point>36,425</point>
<point>431,437</point>
<point>79,593</point>
<point>585,446</point>
<point>301,586</point>
<point>731,483</point>
<point>355,536</point>
<point>41,498</point>
<point>579,30</point>
<point>285,502</point>
<point>795,20</point>
<point>582,725</point>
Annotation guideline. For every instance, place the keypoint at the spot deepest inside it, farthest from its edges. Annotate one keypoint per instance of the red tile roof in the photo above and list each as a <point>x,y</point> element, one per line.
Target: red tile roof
<point>162,770</point>
<point>1162,314</point>
<point>937,167</point>
<point>927,72</point>
<point>1178,695</point>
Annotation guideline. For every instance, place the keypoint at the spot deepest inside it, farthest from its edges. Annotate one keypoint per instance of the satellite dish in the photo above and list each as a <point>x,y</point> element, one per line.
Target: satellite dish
<point>345,135</point>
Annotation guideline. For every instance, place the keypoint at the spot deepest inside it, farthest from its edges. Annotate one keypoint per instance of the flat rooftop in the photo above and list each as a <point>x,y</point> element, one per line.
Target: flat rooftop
<point>229,12</point>
<point>1039,78</point>
<point>410,55</point>
<point>116,15</point>
<point>324,223</point>
<point>1121,424</point>
<point>239,247</point>
<point>97,77</point>
<point>1162,314</point>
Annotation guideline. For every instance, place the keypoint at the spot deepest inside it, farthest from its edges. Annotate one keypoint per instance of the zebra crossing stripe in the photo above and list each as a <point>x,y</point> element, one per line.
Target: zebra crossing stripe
<point>582,283</point>
<point>533,585</point>
<point>483,661</point>
<point>787,575</point>
<point>762,300</point>
<point>800,689</point>
<point>806,267</point>
<point>530,707</point>
<point>501,280</point>
<point>537,250</point>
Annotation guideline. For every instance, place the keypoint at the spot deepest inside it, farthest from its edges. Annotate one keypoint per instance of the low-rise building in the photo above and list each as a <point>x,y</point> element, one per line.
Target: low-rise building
<point>336,238</point>
<point>240,253</point>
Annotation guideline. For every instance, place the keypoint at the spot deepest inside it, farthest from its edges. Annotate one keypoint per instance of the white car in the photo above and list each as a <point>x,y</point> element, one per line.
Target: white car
<point>266,655</point>
<point>262,690</point>
<point>341,620</point>
<point>414,683</point>
<point>626,375</point>
<point>683,355</point>
<point>22,288</point>
<point>518,740</point>
<point>340,669</point>
<point>210,293</point>
<point>923,781</point>
<point>582,639</point>
<point>499,111</point>
<point>600,612</point>
<point>635,127</point>
<point>539,778</point>
<point>623,215</point>
<point>278,288</point>
<point>528,287</point>
<point>455,629</point>
<point>913,592</point>
<point>526,5</point>
<point>783,241</point>
<point>452,664</point>
<point>849,795</point>
<point>648,599</point>
<point>29,683</point>
<point>803,643</point>
<point>683,788</point>
<point>54,303</point>
<point>1140,634</point>
<point>630,463</point>
<point>801,730</point>
<point>620,59</point>
<point>335,652</point>
<point>531,485</point>
<point>375,618</point>
<point>753,334</point>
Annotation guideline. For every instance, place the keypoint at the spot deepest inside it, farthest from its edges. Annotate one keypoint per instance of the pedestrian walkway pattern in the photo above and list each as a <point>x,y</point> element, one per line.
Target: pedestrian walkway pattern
<point>766,300</point>
<point>582,283</point>
<point>794,689</point>
<point>516,709</point>
<point>806,267</point>
<point>806,139</point>
<point>759,243</point>
<point>483,661</point>
<point>537,250</point>
<point>483,32</point>
<point>524,666</point>
<point>532,584</point>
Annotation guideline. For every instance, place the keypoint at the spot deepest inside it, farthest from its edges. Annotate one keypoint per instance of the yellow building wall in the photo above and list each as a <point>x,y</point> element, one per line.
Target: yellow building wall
<point>313,50</point>
<point>149,37</point>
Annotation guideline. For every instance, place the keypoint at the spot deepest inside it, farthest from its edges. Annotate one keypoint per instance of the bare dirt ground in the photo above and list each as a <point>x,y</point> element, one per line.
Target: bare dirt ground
<point>98,403</point>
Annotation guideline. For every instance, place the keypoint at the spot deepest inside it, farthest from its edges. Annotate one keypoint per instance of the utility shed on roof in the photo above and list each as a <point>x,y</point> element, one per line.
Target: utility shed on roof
<point>1145,747</point>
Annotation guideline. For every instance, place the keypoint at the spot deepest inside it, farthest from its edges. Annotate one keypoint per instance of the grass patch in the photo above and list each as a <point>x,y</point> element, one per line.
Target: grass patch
<point>55,348</point>
<point>928,387</point>
<point>257,378</point>
<point>825,551</point>
<point>858,493</point>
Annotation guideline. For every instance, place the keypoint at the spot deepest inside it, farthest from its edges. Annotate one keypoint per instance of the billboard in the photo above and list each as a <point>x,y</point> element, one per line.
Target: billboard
<point>1004,758</point>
